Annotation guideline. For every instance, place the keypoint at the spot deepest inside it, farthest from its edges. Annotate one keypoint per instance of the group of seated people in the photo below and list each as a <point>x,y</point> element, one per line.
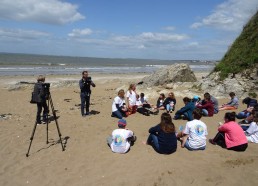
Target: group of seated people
<point>163,137</point>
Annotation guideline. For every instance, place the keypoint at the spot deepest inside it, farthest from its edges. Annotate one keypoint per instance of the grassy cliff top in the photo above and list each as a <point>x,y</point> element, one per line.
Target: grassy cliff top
<point>243,53</point>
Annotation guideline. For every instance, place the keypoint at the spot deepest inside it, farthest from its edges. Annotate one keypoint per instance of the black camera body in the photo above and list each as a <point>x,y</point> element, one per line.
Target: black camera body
<point>46,87</point>
<point>88,79</point>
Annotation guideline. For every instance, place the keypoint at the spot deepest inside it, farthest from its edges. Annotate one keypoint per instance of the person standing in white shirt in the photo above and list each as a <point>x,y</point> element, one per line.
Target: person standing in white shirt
<point>122,138</point>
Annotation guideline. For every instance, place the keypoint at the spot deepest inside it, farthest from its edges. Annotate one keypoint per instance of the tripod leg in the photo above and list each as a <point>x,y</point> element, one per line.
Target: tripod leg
<point>57,126</point>
<point>31,138</point>
<point>47,119</point>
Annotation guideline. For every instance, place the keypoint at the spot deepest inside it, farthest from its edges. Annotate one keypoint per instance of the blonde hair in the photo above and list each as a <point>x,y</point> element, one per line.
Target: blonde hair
<point>41,78</point>
<point>131,86</point>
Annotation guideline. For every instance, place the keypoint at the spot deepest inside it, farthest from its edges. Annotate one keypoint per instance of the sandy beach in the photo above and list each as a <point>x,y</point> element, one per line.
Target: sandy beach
<point>87,160</point>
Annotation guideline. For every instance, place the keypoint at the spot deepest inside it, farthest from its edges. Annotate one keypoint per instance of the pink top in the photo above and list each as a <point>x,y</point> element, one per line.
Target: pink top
<point>234,134</point>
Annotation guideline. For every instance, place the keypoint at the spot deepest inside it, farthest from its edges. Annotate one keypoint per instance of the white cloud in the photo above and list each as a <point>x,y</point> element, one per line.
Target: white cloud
<point>141,47</point>
<point>230,15</point>
<point>43,11</point>
<point>80,32</point>
<point>169,28</point>
<point>149,36</point>
<point>19,34</point>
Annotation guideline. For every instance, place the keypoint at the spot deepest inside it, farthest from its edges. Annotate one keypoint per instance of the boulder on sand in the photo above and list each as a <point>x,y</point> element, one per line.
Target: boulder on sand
<point>170,74</point>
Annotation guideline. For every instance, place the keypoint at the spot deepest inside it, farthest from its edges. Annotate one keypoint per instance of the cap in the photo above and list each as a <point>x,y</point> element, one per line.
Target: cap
<point>121,123</point>
<point>195,97</point>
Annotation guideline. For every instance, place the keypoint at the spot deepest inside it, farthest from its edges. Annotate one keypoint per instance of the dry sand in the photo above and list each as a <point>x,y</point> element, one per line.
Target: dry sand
<point>87,160</point>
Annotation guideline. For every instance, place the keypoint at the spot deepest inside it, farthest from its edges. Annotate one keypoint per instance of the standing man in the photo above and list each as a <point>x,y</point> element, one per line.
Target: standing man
<point>41,99</point>
<point>85,84</point>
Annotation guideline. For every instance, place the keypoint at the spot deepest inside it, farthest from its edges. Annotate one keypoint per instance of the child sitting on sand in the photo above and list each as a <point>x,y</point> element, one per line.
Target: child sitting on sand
<point>186,111</point>
<point>232,105</point>
<point>162,137</point>
<point>230,135</point>
<point>250,104</point>
<point>140,105</point>
<point>252,131</point>
<point>193,137</point>
<point>121,139</point>
<point>160,102</point>
<point>207,106</point>
<point>119,109</point>
<point>170,102</point>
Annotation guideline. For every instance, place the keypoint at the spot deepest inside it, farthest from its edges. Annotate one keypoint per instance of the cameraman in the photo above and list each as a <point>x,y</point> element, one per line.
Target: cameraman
<point>85,84</point>
<point>41,99</point>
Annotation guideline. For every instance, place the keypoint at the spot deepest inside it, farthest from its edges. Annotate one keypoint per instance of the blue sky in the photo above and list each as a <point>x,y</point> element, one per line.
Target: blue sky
<point>148,29</point>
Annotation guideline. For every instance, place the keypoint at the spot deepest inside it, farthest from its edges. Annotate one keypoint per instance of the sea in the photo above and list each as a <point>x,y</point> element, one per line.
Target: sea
<point>12,64</point>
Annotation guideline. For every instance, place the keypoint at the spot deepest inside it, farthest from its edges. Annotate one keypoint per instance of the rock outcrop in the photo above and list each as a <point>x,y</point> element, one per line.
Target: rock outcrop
<point>243,84</point>
<point>170,74</point>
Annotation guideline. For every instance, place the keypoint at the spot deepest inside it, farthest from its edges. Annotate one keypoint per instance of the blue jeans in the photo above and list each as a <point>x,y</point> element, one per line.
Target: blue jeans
<point>153,141</point>
<point>117,114</point>
<point>190,148</point>
<point>169,107</point>
<point>178,116</point>
<point>242,115</point>
<point>205,112</point>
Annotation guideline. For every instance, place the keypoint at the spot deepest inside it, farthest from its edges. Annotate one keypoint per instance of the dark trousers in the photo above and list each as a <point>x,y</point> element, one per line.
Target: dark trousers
<point>85,102</point>
<point>41,105</point>
<point>220,140</point>
<point>143,111</point>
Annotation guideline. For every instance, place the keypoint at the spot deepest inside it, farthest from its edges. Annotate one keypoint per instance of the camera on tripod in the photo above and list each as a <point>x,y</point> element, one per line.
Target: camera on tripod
<point>46,89</point>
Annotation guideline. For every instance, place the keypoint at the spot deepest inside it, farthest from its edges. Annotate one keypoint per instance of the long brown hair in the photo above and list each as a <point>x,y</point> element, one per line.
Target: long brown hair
<point>166,123</point>
<point>172,95</point>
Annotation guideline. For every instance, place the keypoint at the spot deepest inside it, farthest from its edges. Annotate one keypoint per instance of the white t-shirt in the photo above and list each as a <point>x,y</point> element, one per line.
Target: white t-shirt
<point>120,143</point>
<point>138,103</point>
<point>252,133</point>
<point>143,100</point>
<point>132,97</point>
<point>197,131</point>
<point>119,101</point>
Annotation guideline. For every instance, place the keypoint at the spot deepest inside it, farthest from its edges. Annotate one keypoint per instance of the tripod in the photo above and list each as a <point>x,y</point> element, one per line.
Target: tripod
<point>49,103</point>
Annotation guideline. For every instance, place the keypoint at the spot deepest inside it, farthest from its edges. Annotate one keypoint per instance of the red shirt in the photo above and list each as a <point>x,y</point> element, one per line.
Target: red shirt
<point>234,134</point>
<point>208,106</point>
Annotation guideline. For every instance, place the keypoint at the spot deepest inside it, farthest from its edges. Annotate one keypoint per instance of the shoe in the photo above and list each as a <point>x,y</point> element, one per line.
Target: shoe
<point>39,122</point>
<point>84,115</point>
<point>212,142</point>
<point>88,113</point>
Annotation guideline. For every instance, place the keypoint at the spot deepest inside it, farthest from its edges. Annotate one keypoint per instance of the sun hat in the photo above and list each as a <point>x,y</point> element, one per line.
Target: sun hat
<point>121,123</point>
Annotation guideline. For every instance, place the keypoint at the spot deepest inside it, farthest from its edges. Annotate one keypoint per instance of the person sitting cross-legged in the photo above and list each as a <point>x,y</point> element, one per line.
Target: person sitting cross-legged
<point>193,137</point>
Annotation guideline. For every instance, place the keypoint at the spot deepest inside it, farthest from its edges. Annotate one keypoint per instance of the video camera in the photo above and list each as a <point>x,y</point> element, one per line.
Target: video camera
<point>88,80</point>
<point>46,87</point>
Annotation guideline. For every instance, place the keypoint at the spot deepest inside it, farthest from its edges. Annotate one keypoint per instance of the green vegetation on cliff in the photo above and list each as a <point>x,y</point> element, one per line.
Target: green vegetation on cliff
<point>243,53</point>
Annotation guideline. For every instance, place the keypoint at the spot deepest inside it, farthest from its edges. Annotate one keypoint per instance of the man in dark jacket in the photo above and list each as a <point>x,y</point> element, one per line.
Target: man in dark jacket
<point>85,84</point>
<point>41,99</point>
